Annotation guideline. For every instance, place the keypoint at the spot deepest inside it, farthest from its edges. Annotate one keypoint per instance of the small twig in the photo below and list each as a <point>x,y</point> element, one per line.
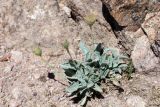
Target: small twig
<point>60,82</point>
<point>69,54</point>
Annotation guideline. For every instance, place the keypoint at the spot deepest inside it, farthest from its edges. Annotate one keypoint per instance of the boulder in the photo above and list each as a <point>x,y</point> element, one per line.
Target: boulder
<point>130,13</point>
<point>145,55</point>
<point>152,28</point>
<point>142,56</point>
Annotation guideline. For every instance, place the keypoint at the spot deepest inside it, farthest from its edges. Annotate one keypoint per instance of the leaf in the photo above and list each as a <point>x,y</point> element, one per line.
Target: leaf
<point>104,73</point>
<point>98,88</point>
<point>90,84</point>
<point>110,60</point>
<point>84,50</point>
<point>96,55</point>
<point>118,70</point>
<point>103,59</point>
<point>123,65</point>
<point>83,101</point>
<point>69,72</point>
<point>72,78</point>
<point>83,90</point>
<point>123,57</point>
<point>85,76</point>
<point>115,64</point>
<point>69,69</point>
<point>67,66</point>
<point>83,82</point>
<point>72,88</point>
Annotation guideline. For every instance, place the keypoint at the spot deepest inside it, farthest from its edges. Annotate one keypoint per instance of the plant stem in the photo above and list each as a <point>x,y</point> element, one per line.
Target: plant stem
<point>69,53</point>
<point>60,82</point>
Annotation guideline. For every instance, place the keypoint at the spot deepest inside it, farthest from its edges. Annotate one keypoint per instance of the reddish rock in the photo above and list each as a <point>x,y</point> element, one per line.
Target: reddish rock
<point>129,13</point>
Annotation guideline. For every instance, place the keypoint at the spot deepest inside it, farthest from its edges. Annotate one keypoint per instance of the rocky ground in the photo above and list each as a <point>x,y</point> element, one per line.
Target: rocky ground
<point>26,80</point>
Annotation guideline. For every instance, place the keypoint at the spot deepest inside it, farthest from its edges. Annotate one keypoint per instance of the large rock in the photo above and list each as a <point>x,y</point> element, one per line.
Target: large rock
<point>142,55</point>
<point>129,13</point>
<point>147,48</point>
<point>152,28</point>
<point>79,10</point>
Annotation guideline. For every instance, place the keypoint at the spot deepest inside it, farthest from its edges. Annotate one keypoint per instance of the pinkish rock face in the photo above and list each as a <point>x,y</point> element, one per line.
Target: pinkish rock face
<point>24,24</point>
<point>142,55</point>
<point>147,49</point>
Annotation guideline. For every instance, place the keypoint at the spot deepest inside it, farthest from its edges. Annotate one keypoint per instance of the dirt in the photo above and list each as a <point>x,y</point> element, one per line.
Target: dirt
<point>26,80</point>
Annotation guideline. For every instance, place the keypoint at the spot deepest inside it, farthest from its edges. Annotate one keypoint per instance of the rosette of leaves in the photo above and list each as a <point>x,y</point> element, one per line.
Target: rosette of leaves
<point>107,61</point>
<point>83,79</point>
<point>85,76</point>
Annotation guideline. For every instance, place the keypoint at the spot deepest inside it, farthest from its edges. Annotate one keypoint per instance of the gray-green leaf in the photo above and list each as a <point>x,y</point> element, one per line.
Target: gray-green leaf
<point>72,88</point>
<point>97,88</point>
<point>83,101</point>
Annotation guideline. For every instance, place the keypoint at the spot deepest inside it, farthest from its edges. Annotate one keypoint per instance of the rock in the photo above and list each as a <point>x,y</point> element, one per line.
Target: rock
<point>142,55</point>
<point>80,10</point>
<point>28,23</point>
<point>8,68</point>
<point>130,13</point>
<point>147,47</point>
<point>16,56</point>
<point>152,28</point>
<point>67,10</point>
<point>135,101</point>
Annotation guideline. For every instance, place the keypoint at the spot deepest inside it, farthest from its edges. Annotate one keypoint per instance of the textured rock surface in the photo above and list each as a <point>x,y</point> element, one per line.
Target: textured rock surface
<point>130,13</point>
<point>26,24</point>
<point>152,28</point>
<point>146,50</point>
<point>142,56</point>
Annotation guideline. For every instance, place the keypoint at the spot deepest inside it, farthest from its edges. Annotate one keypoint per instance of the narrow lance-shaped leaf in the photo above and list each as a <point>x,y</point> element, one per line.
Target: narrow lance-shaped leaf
<point>72,88</point>
<point>67,66</point>
<point>84,50</point>
<point>98,88</point>
<point>83,101</point>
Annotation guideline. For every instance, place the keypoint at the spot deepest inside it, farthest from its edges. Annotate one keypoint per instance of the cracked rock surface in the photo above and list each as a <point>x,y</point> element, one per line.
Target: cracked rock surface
<point>25,79</point>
